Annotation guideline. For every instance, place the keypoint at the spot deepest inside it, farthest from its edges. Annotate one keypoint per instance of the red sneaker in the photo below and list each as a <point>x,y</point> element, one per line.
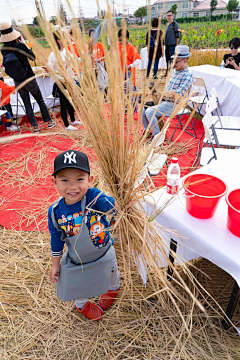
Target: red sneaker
<point>91,311</point>
<point>106,300</point>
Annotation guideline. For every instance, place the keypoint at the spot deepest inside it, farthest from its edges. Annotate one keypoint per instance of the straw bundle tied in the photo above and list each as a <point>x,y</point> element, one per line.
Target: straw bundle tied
<point>119,149</point>
<point>116,142</point>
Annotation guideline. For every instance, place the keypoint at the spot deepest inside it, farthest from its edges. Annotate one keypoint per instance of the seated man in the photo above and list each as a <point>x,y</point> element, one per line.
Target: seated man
<point>180,82</point>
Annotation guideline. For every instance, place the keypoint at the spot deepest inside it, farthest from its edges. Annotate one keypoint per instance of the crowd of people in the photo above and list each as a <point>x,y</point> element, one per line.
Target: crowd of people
<point>16,56</point>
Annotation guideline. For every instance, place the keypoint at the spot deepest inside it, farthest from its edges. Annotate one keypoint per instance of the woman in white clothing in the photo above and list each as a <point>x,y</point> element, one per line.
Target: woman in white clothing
<point>64,103</point>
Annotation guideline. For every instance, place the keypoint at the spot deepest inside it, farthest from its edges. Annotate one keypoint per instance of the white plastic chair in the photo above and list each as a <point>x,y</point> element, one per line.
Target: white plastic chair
<point>155,161</point>
<point>20,102</point>
<point>220,121</point>
<point>200,99</point>
<point>51,97</point>
<point>210,153</point>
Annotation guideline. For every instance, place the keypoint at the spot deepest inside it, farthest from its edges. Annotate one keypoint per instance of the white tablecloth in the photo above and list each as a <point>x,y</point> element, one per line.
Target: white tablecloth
<point>227,84</point>
<point>209,238</point>
<point>144,57</point>
<point>45,84</point>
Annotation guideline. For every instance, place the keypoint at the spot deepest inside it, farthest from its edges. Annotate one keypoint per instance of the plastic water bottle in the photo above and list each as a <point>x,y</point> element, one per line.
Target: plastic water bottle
<point>173,176</point>
<point>222,65</point>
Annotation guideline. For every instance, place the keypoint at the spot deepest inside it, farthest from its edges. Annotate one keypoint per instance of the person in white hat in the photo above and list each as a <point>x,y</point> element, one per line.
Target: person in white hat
<point>15,60</point>
<point>179,84</point>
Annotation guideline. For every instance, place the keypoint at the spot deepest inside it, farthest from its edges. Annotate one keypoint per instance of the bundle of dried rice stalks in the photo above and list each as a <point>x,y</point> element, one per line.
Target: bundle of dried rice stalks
<point>117,143</point>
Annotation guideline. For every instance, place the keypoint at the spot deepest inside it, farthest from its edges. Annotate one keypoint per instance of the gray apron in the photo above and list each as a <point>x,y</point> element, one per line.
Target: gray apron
<point>85,270</point>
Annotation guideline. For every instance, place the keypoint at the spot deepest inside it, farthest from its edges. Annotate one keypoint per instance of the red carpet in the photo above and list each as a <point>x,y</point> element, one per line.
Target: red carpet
<point>26,190</point>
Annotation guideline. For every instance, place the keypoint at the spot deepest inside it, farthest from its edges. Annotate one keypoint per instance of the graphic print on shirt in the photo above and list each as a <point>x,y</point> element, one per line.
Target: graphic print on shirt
<point>72,223</point>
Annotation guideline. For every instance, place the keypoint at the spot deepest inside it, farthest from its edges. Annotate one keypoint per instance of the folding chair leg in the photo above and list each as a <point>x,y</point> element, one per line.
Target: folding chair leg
<point>191,128</point>
<point>179,122</point>
<point>172,254</point>
<point>231,306</point>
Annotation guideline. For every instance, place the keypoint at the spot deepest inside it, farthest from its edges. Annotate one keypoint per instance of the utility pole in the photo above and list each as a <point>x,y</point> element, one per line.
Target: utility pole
<point>113,7</point>
<point>40,8</point>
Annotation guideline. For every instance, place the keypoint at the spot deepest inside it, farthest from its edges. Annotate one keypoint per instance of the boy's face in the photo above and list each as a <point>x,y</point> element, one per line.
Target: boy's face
<point>72,184</point>
<point>120,40</point>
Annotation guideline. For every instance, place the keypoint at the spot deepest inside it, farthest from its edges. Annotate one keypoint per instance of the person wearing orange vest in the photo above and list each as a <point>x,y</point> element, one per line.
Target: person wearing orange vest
<point>132,56</point>
<point>5,105</point>
<point>98,49</point>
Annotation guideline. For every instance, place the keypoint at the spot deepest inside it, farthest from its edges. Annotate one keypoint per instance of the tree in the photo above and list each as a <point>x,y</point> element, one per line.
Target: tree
<point>213,5</point>
<point>232,5</point>
<point>35,20</point>
<point>62,12</point>
<point>53,20</point>
<point>13,22</point>
<point>141,12</point>
<point>174,9</point>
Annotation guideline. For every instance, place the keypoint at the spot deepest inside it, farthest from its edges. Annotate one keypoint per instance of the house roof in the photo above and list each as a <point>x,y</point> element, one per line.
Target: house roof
<point>205,5</point>
<point>165,1</point>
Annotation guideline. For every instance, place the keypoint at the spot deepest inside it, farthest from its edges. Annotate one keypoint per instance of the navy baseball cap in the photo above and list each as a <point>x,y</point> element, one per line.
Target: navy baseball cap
<point>71,159</point>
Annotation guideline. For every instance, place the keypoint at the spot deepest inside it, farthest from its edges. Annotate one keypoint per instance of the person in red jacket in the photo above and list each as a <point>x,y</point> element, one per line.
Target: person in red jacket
<point>132,56</point>
<point>132,60</point>
<point>5,105</point>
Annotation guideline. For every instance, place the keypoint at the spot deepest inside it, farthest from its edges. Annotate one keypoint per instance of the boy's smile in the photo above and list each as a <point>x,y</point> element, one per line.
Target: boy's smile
<point>72,184</point>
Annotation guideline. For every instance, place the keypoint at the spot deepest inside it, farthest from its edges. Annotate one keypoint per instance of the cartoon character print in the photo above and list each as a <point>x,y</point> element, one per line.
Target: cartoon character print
<point>96,231</point>
<point>63,223</point>
<point>77,222</point>
<point>70,225</point>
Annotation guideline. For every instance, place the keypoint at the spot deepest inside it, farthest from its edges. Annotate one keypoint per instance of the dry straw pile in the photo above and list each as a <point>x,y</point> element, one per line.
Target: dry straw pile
<point>167,320</point>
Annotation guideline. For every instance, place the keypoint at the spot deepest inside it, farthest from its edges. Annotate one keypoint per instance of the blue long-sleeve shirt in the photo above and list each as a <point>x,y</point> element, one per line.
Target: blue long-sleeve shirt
<point>69,219</point>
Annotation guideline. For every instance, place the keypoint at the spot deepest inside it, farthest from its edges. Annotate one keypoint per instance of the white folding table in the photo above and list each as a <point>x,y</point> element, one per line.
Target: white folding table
<point>45,84</point>
<point>208,238</point>
<point>227,84</point>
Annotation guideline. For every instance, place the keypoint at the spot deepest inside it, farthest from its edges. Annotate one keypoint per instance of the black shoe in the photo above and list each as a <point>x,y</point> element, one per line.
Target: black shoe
<point>151,85</point>
<point>149,135</point>
<point>155,77</point>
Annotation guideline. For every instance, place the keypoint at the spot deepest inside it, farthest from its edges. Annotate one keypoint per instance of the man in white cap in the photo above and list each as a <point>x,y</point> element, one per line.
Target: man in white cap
<point>15,60</point>
<point>179,84</point>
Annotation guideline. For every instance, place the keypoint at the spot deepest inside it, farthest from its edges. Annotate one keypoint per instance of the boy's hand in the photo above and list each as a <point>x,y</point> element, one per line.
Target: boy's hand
<point>130,204</point>
<point>53,273</point>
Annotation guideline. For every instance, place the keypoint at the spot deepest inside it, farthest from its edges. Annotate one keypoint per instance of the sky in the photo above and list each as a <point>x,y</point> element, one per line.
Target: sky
<point>24,10</point>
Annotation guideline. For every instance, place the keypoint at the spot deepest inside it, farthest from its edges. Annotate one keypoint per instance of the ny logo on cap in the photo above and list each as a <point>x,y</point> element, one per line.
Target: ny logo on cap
<point>70,157</point>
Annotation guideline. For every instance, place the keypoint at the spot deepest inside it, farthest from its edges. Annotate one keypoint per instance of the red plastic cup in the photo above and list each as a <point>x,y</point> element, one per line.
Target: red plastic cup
<point>203,193</point>
<point>233,221</point>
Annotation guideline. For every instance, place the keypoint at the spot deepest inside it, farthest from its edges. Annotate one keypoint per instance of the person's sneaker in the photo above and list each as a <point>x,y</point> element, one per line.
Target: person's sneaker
<point>70,127</point>
<point>155,77</point>
<point>151,85</point>
<point>36,130</point>
<point>76,122</point>
<point>91,311</point>
<point>106,300</point>
<point>51,124</point>
<point>149,134</point>
<point>12,128</point>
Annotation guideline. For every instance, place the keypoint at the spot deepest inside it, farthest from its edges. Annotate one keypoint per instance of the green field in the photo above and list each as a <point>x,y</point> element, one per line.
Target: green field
<point>196,35</point>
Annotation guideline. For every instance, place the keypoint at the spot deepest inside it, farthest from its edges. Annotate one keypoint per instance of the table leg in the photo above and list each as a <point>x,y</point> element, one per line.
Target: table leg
<point>172,252</point>
<point>231,306</point>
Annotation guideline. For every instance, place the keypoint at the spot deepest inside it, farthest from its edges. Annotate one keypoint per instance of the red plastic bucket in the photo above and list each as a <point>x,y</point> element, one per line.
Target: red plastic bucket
<point>203,193</point>
<point>233,201</point>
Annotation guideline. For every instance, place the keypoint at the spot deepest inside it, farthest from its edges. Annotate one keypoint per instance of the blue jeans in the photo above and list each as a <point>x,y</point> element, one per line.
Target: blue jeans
<point>155,67</point>
<point>163,109</point>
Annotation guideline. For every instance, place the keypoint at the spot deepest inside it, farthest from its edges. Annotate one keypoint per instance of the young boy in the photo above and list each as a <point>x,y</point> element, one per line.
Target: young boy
<point>132,56</point>
<point>132,60</point>
<point>89,266</point>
